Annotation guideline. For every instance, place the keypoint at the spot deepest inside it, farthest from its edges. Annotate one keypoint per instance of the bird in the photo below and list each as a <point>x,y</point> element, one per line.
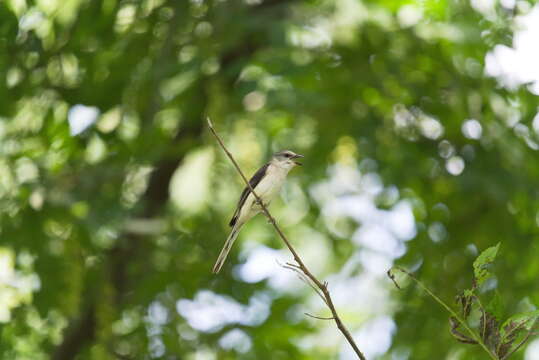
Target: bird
<point>266,183</point>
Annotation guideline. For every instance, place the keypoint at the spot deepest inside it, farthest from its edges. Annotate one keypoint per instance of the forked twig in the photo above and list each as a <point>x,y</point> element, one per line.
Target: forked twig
<point>305,279</point>
<point>322,288</point>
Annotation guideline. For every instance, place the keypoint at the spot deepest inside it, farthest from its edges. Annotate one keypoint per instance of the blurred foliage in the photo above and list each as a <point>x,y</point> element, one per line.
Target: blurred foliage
<point>115,199</point>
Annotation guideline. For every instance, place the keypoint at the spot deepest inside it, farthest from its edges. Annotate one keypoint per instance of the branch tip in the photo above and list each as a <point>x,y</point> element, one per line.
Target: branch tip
<point>392,277</point>
<point>320,317</point>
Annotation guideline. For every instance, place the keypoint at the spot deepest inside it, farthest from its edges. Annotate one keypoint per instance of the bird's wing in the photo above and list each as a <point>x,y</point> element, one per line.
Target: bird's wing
<point>255,180</point>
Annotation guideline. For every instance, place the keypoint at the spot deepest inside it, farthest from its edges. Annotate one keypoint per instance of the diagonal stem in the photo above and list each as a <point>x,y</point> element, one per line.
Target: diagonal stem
<point>320,285</point>
<point>472,333</point>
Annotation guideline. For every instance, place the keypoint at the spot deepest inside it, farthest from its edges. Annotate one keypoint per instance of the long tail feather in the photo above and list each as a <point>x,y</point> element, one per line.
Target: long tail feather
<point>226,248</point>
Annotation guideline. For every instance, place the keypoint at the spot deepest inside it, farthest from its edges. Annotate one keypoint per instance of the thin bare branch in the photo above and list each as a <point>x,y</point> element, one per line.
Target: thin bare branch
<point>320,317</point>
<point>323,288</point>
<point>305,279</point>
<point>293,265</point>
<point>392,277</point>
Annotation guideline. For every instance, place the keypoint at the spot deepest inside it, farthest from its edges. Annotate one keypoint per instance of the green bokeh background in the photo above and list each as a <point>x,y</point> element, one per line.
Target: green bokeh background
<point>105,232</point>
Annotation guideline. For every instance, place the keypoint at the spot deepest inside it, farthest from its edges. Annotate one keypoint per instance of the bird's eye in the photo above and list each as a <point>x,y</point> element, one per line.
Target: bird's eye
<point>287,155</point>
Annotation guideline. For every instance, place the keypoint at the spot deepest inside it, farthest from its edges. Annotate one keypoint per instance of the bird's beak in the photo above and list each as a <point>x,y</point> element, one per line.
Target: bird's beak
<point>297,156</point>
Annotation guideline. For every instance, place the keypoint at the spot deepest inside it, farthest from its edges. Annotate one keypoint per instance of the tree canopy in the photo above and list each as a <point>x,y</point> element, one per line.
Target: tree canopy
<point>418,122</point>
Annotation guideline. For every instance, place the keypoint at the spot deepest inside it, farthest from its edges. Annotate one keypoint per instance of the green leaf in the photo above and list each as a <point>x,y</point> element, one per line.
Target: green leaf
<point>495,306</point>
<point>486,258</point>
<point>512,328</point>
<point>521,321</point>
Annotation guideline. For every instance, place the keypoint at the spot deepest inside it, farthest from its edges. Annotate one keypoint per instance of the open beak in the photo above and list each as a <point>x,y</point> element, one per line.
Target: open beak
<point>297,156</point>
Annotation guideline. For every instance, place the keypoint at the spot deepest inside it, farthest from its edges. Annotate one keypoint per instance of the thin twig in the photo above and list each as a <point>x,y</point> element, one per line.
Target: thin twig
<point>392,277</point>
<point>293,265</point>
<point>305,279</point>
<point>320,317</point>
<point>445,306</point>
<point>322,286</point>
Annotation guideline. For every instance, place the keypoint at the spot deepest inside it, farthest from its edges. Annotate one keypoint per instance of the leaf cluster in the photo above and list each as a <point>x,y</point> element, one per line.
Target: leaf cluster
<point>501,339</point>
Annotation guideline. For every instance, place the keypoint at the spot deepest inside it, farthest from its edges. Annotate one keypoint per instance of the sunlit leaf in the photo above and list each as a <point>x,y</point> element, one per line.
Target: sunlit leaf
<point>480,264</point>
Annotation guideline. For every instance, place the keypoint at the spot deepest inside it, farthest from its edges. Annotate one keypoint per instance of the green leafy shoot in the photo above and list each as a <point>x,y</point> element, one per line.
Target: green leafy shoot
<point>480,264</point>
<point>500,342</point>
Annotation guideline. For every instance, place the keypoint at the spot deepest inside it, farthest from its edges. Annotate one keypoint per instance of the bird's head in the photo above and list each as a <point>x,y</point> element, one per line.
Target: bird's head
<point>286,159</point>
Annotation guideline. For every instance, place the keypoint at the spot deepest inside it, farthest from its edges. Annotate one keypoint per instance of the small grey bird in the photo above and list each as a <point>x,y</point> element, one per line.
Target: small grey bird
<point>267,183</point>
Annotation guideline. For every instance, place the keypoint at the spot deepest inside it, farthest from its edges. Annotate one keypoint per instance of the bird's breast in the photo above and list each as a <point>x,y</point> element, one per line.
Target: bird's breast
<point>271,184</point>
